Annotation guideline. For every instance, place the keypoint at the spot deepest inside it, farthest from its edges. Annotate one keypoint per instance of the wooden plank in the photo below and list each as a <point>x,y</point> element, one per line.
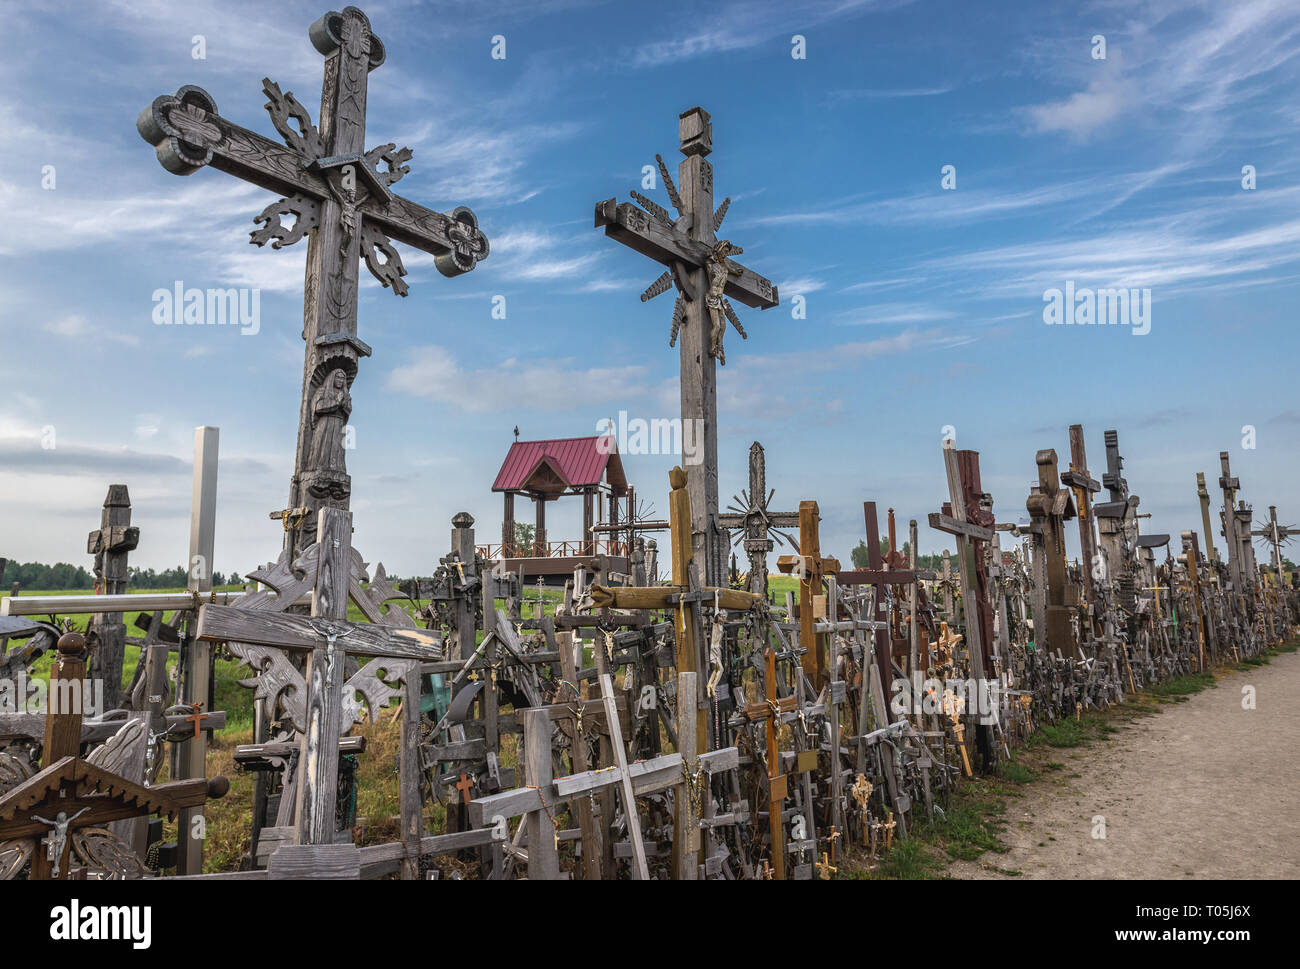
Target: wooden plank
<point>954,526</point>
<point>686,821</point>
<point>543,853</point>
<point>632,817</point>
<point>301,633</point>
<point>315,861</point>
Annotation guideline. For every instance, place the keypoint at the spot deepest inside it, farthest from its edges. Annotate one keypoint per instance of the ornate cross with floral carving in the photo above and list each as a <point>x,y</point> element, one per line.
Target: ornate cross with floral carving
<point>340,196</point>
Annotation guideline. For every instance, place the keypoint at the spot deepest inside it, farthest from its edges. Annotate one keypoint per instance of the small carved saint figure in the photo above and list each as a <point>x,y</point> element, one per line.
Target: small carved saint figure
<point>719,268</point>
<point>330,409</point>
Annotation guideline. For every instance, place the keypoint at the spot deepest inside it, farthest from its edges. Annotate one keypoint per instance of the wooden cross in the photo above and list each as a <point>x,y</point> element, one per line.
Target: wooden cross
<point>1211,553</point>
<point>110,543</point>
<point>1050,507</point>
<point>878,576</point>
<point>706,279</point>
<point>1117,526</point>
<point>197,718</point>
<point>750,515</point>
<point>1085,486</point>
<point>963,517</point>
<point>769,710</point>
<point>69,804</point>
<point>326,637</point>
<point>812,570</point>
<point>339,195</point>
<point>1276,535</point>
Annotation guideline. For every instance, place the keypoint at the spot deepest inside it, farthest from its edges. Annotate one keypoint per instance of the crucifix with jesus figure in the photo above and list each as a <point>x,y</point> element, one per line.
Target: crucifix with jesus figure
<point>707,279</point>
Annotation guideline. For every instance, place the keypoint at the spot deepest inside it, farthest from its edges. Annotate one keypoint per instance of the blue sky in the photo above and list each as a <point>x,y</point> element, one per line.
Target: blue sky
<point>924,306</point>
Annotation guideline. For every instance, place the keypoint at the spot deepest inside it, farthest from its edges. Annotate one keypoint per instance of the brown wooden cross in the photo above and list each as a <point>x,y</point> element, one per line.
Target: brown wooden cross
<point>1050,507</point>
<point>67,805</point>
<point>769,710</point>
<point>812,570</point>
<point>706,279</point>
<point>339,195</point>
<point>878,575</point>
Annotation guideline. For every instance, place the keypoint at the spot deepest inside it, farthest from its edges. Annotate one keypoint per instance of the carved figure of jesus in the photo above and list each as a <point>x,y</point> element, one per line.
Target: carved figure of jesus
<point>719,268</point>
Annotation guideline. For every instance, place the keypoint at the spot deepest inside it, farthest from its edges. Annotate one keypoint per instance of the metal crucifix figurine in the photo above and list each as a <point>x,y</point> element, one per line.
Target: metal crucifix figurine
<point>340,196</point>
<point>706,279</point>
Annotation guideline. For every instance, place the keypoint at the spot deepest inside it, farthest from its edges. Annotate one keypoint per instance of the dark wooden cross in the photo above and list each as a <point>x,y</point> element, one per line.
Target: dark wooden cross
<point>881,572</point>
<point>1085,486</point>
<point>1117,527</point>
<point>339,194</point>
<point>699,266</point>
<point>750,515</point>
<point>812,570</point>
<point>1236,530</point>
<point>110,543</point>
<point>1050,507</point>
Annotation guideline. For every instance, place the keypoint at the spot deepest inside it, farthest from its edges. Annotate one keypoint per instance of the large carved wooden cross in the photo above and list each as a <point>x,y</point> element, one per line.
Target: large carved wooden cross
<point>1276,535</point>
<point>750,515</point>
<point>339,195</point>
<point>699,266</point>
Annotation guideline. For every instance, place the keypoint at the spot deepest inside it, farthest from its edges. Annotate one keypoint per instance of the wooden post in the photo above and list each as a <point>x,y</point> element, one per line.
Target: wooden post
<point>686,816</point>
<point>539,536</point>
<point>412,805</point>
<point>543,847</point>
<point>198,655</point>
<point>62,728</point>
<point>508,526</point>
<point>318,762</point>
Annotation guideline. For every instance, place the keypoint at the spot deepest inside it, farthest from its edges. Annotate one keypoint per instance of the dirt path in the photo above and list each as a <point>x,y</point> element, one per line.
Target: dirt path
<point>1203,789</point>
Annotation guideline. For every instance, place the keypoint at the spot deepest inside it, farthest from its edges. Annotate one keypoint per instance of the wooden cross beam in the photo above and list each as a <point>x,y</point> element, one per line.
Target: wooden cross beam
<point>706,279</point>
<point>812,570</point>
<point>339,194</point>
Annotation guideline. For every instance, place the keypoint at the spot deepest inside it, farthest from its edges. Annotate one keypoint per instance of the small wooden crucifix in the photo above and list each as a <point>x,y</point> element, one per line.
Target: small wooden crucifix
<point>699,265</point>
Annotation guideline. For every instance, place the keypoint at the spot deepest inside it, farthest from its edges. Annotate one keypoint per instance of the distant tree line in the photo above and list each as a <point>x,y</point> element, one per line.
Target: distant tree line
<point>63,577</point>
<point>860,556</point>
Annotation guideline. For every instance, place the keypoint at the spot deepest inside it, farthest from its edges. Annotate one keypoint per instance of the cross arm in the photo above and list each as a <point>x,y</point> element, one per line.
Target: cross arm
<point>1078,479</point>
<point>661,242</point>
<point>453,238</point>
<point>946,523</point>
<point>303,633</point>
<point>187,133</point>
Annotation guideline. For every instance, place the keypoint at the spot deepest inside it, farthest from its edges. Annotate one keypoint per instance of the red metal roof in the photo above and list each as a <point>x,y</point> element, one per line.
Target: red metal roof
<point>579,462</point>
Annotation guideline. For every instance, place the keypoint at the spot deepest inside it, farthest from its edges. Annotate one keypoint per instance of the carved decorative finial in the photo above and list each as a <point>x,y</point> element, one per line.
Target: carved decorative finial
<point>72,644</point>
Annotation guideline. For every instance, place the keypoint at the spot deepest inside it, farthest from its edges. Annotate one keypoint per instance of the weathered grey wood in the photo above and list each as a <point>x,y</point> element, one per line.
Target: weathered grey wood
<point>318,761</point>
<point>686,819</point>
<point>193,759</point>
<point>293,632</point>
<point>591,833</point>
<point>630,813</point>
<point>543,856</point>
<point>411,804</point>
<point>110,544</point>
<point>315,862</point>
